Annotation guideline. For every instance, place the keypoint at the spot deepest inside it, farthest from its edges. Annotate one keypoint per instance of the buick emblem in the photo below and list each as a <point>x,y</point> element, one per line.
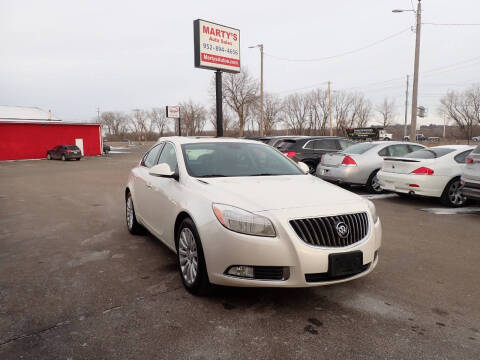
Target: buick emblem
<point>342,229</point>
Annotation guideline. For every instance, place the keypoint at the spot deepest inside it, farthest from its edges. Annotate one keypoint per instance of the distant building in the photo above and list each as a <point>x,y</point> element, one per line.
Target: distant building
<point>28,132</point>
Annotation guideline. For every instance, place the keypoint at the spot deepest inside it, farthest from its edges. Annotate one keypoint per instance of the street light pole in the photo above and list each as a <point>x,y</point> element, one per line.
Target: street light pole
<point>406,110</point>
<point>262,125</point>
<point>330,109</point>
<point>413,126</point>
<point>413,121</point>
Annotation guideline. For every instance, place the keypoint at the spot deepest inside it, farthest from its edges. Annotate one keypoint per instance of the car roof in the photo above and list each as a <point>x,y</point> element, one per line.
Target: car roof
<point>205,139</point>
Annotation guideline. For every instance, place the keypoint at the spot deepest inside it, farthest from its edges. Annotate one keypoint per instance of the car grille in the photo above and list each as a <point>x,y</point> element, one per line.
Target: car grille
<point>271,272</point>
<point>322,231</point>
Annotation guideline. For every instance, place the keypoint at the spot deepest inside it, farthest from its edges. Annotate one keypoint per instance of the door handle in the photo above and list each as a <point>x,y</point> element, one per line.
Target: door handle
<point>148,185</point>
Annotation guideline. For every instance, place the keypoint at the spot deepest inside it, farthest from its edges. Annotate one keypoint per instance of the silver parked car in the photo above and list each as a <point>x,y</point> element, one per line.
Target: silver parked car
<point>359,163</point>
<point>471,175</point>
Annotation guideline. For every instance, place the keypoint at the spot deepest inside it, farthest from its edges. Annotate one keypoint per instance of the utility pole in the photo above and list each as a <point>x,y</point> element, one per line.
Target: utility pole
<point>219,98</point>
<point>330,108</point>
<point>98,114</point>
<point>262,124</point>
<point>413,125</point>
<point>406,110</point>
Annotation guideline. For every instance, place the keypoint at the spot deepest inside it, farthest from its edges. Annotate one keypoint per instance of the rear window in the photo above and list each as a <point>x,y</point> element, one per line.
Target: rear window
<point>286,145</point>
<point>345,143</point>
<point>359,148</point>
<point>71,147</point>
<point>431,153</point>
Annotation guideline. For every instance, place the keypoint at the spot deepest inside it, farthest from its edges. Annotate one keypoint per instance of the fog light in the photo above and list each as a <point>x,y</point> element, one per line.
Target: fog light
<point>241,271</point>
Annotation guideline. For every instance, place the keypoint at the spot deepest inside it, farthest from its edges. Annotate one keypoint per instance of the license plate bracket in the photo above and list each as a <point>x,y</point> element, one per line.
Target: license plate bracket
<point>344,264</point>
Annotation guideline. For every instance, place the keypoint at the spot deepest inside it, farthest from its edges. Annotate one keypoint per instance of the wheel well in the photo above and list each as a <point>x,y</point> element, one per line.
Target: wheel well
<point>180,217</point>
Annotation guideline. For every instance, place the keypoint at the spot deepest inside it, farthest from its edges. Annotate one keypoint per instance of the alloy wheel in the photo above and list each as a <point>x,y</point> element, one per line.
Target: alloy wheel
<point>376,185</point>
<point>454,194</point>
<point>188,256</point>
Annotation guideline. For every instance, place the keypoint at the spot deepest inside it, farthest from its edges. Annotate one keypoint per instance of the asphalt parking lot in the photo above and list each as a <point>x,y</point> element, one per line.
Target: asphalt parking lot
<point>74,284</point>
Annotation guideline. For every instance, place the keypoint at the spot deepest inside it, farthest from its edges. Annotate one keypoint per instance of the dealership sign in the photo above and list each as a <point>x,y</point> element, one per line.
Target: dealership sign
<point>217,47</point>
<point>173,112</point>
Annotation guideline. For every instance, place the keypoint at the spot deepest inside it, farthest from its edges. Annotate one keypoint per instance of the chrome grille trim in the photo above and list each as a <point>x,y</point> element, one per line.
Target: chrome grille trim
<point>321,231</point>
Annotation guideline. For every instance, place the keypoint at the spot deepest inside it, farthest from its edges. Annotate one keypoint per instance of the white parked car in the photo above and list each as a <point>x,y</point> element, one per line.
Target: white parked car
<point>240,213</point>
<point>431,171</point>
<point>358,164</point>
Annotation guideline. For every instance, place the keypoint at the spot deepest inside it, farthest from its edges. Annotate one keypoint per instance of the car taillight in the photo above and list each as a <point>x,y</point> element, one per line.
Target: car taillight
<point>348,161</point>
<point>290,154</point>
<point>423,171</point>
<point>469,160</point>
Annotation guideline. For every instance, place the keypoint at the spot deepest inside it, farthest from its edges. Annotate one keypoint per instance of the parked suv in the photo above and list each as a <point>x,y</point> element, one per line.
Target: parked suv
<point>64,152</point>
<point>310,149</point>
<point>471,175</point>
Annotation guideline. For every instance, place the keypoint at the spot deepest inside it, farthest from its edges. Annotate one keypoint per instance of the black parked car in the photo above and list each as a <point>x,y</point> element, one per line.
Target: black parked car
<point>106,148</point>
<point>64,152</point>
<point>310,149</point>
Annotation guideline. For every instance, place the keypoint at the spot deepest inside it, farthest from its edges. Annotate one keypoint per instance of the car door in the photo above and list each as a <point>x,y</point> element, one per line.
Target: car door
<point>141,181</point>
<point>163,195</point>
<point>58,152</point>
<point>323,146</point>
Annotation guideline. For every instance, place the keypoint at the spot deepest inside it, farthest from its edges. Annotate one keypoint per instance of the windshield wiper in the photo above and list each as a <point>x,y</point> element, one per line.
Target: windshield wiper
<point>266,174</point>
<point>211,176</point>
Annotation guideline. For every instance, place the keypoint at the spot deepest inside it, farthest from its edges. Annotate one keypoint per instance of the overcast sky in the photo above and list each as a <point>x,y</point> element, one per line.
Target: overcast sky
<point>74,56</point>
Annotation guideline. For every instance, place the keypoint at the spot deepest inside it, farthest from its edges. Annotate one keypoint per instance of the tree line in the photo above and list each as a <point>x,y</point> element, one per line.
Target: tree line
<point>305,113</point>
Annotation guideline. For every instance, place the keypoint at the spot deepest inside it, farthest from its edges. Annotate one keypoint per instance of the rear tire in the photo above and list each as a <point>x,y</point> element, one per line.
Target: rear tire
<point>190,259</point>
<point>452,196</point>
<point>311,168</point>
<point>372,184</point>
<point>133,226</point>
<point>49,157</point>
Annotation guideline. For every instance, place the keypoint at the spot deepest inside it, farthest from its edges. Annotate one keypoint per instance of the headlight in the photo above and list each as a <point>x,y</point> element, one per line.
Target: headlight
<point>243,221</point>
<point>373,211</point>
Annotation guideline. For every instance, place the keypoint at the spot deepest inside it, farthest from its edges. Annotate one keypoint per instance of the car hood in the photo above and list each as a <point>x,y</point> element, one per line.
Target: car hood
<point>262,193</point>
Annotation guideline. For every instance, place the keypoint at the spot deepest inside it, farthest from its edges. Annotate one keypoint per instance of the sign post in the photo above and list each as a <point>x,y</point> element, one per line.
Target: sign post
<point>173,112</point>
<point>217,47</point>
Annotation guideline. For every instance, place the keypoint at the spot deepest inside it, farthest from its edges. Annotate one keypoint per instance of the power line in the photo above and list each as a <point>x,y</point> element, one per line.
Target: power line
<point>438,24</point>
<point>341,54</point>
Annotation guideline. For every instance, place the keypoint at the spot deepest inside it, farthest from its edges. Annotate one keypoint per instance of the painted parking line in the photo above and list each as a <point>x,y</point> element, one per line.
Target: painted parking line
<point>453,211</point>
<point>379,196</point>
<point>119,152</point>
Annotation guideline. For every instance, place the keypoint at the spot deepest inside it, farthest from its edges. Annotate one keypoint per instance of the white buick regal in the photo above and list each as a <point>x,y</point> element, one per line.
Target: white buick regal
<point>240,213</point>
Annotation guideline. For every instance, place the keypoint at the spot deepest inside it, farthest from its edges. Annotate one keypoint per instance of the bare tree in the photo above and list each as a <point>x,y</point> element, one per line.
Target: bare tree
<point>297,111</point>
<point>319,111</point>
<point>342,104</point>
<point>272,112</point>
<point>229,124</point>
<point>158,120</point>
<point>114,122</point>
<point>463,108</point>
<point>139,123</point>
<point>386,111</point>
<point>193,117</point>
<point>240,92</point>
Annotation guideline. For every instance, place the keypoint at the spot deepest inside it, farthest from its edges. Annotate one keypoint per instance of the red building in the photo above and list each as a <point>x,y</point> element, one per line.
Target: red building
<point>27,133</point>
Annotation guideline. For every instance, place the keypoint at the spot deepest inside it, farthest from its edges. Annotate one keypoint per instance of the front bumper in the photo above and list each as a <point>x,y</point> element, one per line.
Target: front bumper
<point>427,185</point>
<point>227,248</point>
<point>342,174</point>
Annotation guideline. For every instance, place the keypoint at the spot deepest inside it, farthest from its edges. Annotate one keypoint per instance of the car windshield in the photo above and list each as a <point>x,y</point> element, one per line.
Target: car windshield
<point>71,147</point>
<point>226,159</point>
<point>431,153</point>
<point>359,148</point>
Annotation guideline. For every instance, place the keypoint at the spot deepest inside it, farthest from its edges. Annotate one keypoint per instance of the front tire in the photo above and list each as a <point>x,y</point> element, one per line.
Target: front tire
<point>190,259</point>
<point>64,158</point>
<point>372,184</point>
<point>133,226</point>
<point>452,195</point>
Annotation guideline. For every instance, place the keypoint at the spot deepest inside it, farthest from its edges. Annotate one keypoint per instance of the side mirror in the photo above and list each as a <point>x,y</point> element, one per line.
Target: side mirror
<point>163,170</point>
<point>304,167</point>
